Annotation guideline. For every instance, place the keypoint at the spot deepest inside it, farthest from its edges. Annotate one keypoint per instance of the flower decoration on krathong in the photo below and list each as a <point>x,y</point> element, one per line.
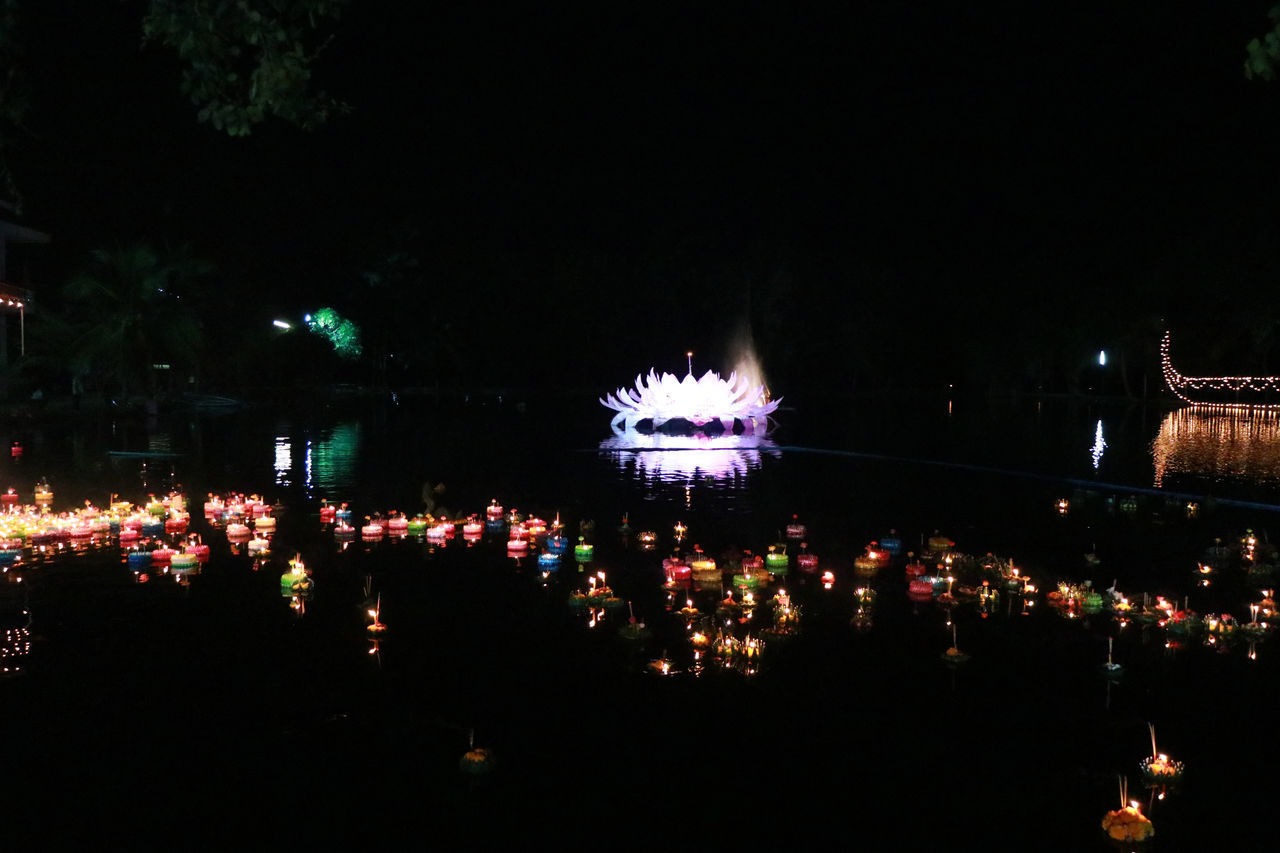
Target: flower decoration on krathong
<point>477,760</point>
<point>1127,823</point>
<point>1158,768</point>
<point>699,401</point>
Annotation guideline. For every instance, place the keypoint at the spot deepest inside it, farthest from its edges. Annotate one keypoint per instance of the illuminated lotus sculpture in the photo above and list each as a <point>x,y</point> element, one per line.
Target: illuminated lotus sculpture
<point>699,401</point>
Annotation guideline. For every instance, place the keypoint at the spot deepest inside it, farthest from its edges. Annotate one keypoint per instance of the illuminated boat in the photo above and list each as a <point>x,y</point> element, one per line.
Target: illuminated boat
<point>1230,392</point>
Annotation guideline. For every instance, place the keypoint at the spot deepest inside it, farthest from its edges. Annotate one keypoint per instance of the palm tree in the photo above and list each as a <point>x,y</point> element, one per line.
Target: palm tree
<point>130,313</point>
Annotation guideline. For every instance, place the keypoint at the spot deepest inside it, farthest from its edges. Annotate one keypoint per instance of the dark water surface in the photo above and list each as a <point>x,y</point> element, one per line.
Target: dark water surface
<point>204,715</point>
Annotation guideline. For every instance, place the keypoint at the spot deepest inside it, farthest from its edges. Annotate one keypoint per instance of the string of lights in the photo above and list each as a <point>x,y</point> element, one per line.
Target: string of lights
<point>1181,386</point>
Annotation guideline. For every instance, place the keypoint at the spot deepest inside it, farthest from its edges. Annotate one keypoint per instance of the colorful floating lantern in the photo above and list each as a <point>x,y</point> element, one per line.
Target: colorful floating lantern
<point>328,512</point>
<point>376,629</point>
<point>796,530</point>
<point>940,544</point>
<point>476,761</point>
<point>776,560</point>
<point>183,562</point>
<point>892,544</point>
<point>196,547</point>
<point>296,581</point>
<point>583,551</point>
<point>702,568</point>
<point>548,561</point>
<point>953,655</point>
<point>1127,823</point>
<point>807,562</point>
<point>1158,768</point>
<point>677,571</point>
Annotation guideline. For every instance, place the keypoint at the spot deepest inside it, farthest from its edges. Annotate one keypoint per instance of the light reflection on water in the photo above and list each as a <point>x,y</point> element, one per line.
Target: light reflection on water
<point>1099,445</point>
<point>1224,445</point>
<point>722,463</point>
<point>687,458</point>
<point>328,463</point>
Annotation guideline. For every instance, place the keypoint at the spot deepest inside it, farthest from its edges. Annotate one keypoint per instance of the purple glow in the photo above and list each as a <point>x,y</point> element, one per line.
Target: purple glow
<point>682,458</point>
<point>698,401</point>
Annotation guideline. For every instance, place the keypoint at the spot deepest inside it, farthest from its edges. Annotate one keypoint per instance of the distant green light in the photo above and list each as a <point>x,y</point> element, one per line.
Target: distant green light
<point>341,333</point>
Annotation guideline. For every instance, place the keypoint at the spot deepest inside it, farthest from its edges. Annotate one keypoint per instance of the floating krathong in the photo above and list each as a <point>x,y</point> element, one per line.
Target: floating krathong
<point>377,628</point>
<point>1127,823</point>
<point>477,760</point>
<point>659,399</point>
<point>777,559</point>
<point>1158,768</point>
<point>295,582</point>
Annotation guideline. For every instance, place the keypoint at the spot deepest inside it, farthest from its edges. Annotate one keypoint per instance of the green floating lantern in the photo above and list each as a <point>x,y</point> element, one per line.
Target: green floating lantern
<point>777,560</point>
<point>583,551</point>
<point>296,581</point>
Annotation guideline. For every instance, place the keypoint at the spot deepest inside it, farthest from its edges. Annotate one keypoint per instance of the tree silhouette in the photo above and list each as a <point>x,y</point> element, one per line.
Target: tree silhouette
<point>129,313</point>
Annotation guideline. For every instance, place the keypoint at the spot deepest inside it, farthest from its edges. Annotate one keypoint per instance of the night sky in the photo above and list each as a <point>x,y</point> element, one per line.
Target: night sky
<point>631,182</point>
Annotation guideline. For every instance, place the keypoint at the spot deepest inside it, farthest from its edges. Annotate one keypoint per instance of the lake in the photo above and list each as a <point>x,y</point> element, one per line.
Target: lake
<point>182,714</point>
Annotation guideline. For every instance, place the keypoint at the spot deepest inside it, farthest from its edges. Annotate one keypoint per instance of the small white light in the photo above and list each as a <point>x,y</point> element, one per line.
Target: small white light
<point>281,324</point>
<point>1102,358</point>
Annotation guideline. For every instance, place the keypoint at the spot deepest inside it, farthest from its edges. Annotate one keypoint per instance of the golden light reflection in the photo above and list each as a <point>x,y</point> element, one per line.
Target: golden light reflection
<point>1223,443</point>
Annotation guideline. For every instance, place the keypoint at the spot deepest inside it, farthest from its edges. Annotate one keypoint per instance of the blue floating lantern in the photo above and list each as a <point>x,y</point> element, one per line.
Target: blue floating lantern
<point>153,528</point>
<point>139,561</point>
<point>9,556</point>
<point>548,561</point>
<point>892,544</point>
<point>495,525</point>
<point>557,545</point>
